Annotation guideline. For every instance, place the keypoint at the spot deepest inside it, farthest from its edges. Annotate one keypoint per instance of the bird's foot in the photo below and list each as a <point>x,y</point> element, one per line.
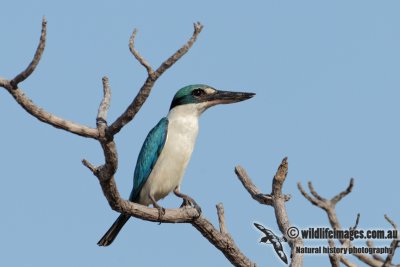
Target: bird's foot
<point>193,204</point>
<point>161,213</point>
<point>185,203</point>
<point>188,201</point>
<point>161,210</point>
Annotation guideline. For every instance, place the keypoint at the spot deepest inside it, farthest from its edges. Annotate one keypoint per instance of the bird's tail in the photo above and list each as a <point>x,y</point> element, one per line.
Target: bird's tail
<point>112,233</point>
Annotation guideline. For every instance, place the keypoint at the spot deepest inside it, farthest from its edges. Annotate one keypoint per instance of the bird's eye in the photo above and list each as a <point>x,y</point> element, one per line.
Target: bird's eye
<point>198,92</point>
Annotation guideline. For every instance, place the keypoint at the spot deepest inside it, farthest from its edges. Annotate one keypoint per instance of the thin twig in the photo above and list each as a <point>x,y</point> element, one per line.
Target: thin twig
<point>255,193</point>
<point>277,200</point>
<point>357,221</point>
<point>35,61</point>
<point>139,58</point>
<point>221,218</point>
<point>33,109</point>
<point>393,245</point>
<point>344,193</point>
<point>314,193</point>
<point>281,215</point>
<point>329,207</point>
<point>91,167</point>
<point>145,90</point>
<point>314,201</point>
<point>178,54</point>
<point>392,223</point>
<point>105,102</point>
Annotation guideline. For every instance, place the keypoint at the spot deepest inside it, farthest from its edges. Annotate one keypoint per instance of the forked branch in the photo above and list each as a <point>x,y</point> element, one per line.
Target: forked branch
<point>393,245</point>
<point>36,58</point>
<point>145,90</point>
<point>12,87</point>
<point>277,200</point>
<point>329,206</point>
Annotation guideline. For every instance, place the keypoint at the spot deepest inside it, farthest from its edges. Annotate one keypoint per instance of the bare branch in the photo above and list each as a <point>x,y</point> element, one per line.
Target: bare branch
<point>4,83</point>
<point>314,193</point>
<point>35,61</point>
<point>221,218</point>
<point>144,92</point>
<point>357,221</point>
<point>378,257</point>
<point>342,194</point>
<point>279,178</point>
<point>49,118</point>
<point>392,223</point>
<point>347,262</point>
<point>314,201</point>
<point>178,54</point>
<point>105,103</point>
<point>393,245</point>
<point>222,242</point>
<point>281,214</point>
<point>329,207</point>
<point>333,258</point>
<point>92,168</point>
<point>277,200</point>
<point>34,110</point>
<point>137,55</point>
<point>254,192</point>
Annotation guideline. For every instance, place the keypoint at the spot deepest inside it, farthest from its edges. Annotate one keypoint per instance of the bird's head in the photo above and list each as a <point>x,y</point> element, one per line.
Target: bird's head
<point>206,96</point>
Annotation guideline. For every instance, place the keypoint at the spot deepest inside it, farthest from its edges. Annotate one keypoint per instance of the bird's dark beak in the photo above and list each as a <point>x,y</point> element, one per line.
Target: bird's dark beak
<point>227,97</point>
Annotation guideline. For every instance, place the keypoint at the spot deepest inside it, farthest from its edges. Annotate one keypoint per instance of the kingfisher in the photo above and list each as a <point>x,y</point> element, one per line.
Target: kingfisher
<point>167,149</point>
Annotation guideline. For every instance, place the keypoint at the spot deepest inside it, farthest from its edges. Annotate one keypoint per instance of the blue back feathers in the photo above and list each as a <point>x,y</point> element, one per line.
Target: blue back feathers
<point>148,156</point>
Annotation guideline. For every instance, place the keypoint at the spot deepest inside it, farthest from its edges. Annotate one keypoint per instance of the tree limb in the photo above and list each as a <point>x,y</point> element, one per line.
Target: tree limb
<point>221,218</point>
<point>277,200</point>
<point>222,241</point>
<point>393,245</point>
<point>330,207</point>
<point>105,102</point>
<point>255,193</point>
<point>333,258</point>
<point>49,118</point>
<point>281,213</point>
<point>35,61</point>
<point>12,87</point>
<point>145,90</point>
<point>136,54</point>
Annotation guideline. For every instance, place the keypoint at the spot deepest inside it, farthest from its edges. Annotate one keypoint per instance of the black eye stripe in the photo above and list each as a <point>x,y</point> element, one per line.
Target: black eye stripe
<point>198,92</point>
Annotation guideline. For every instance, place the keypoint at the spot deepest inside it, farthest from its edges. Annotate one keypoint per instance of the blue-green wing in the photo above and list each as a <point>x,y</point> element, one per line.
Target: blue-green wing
<point>148,156</point>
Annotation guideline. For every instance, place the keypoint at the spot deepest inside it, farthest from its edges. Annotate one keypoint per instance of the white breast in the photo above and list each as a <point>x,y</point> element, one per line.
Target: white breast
<point>169,169</point>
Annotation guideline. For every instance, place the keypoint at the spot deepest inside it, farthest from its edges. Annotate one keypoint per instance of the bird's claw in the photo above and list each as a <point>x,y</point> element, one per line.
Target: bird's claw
<point>191,203</point>
<point>161,213</point>
<point>198,208</point>
<point>185,203</point>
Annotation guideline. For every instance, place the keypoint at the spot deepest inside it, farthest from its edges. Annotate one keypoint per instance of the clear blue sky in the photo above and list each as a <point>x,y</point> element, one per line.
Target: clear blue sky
<point>326,75</point>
